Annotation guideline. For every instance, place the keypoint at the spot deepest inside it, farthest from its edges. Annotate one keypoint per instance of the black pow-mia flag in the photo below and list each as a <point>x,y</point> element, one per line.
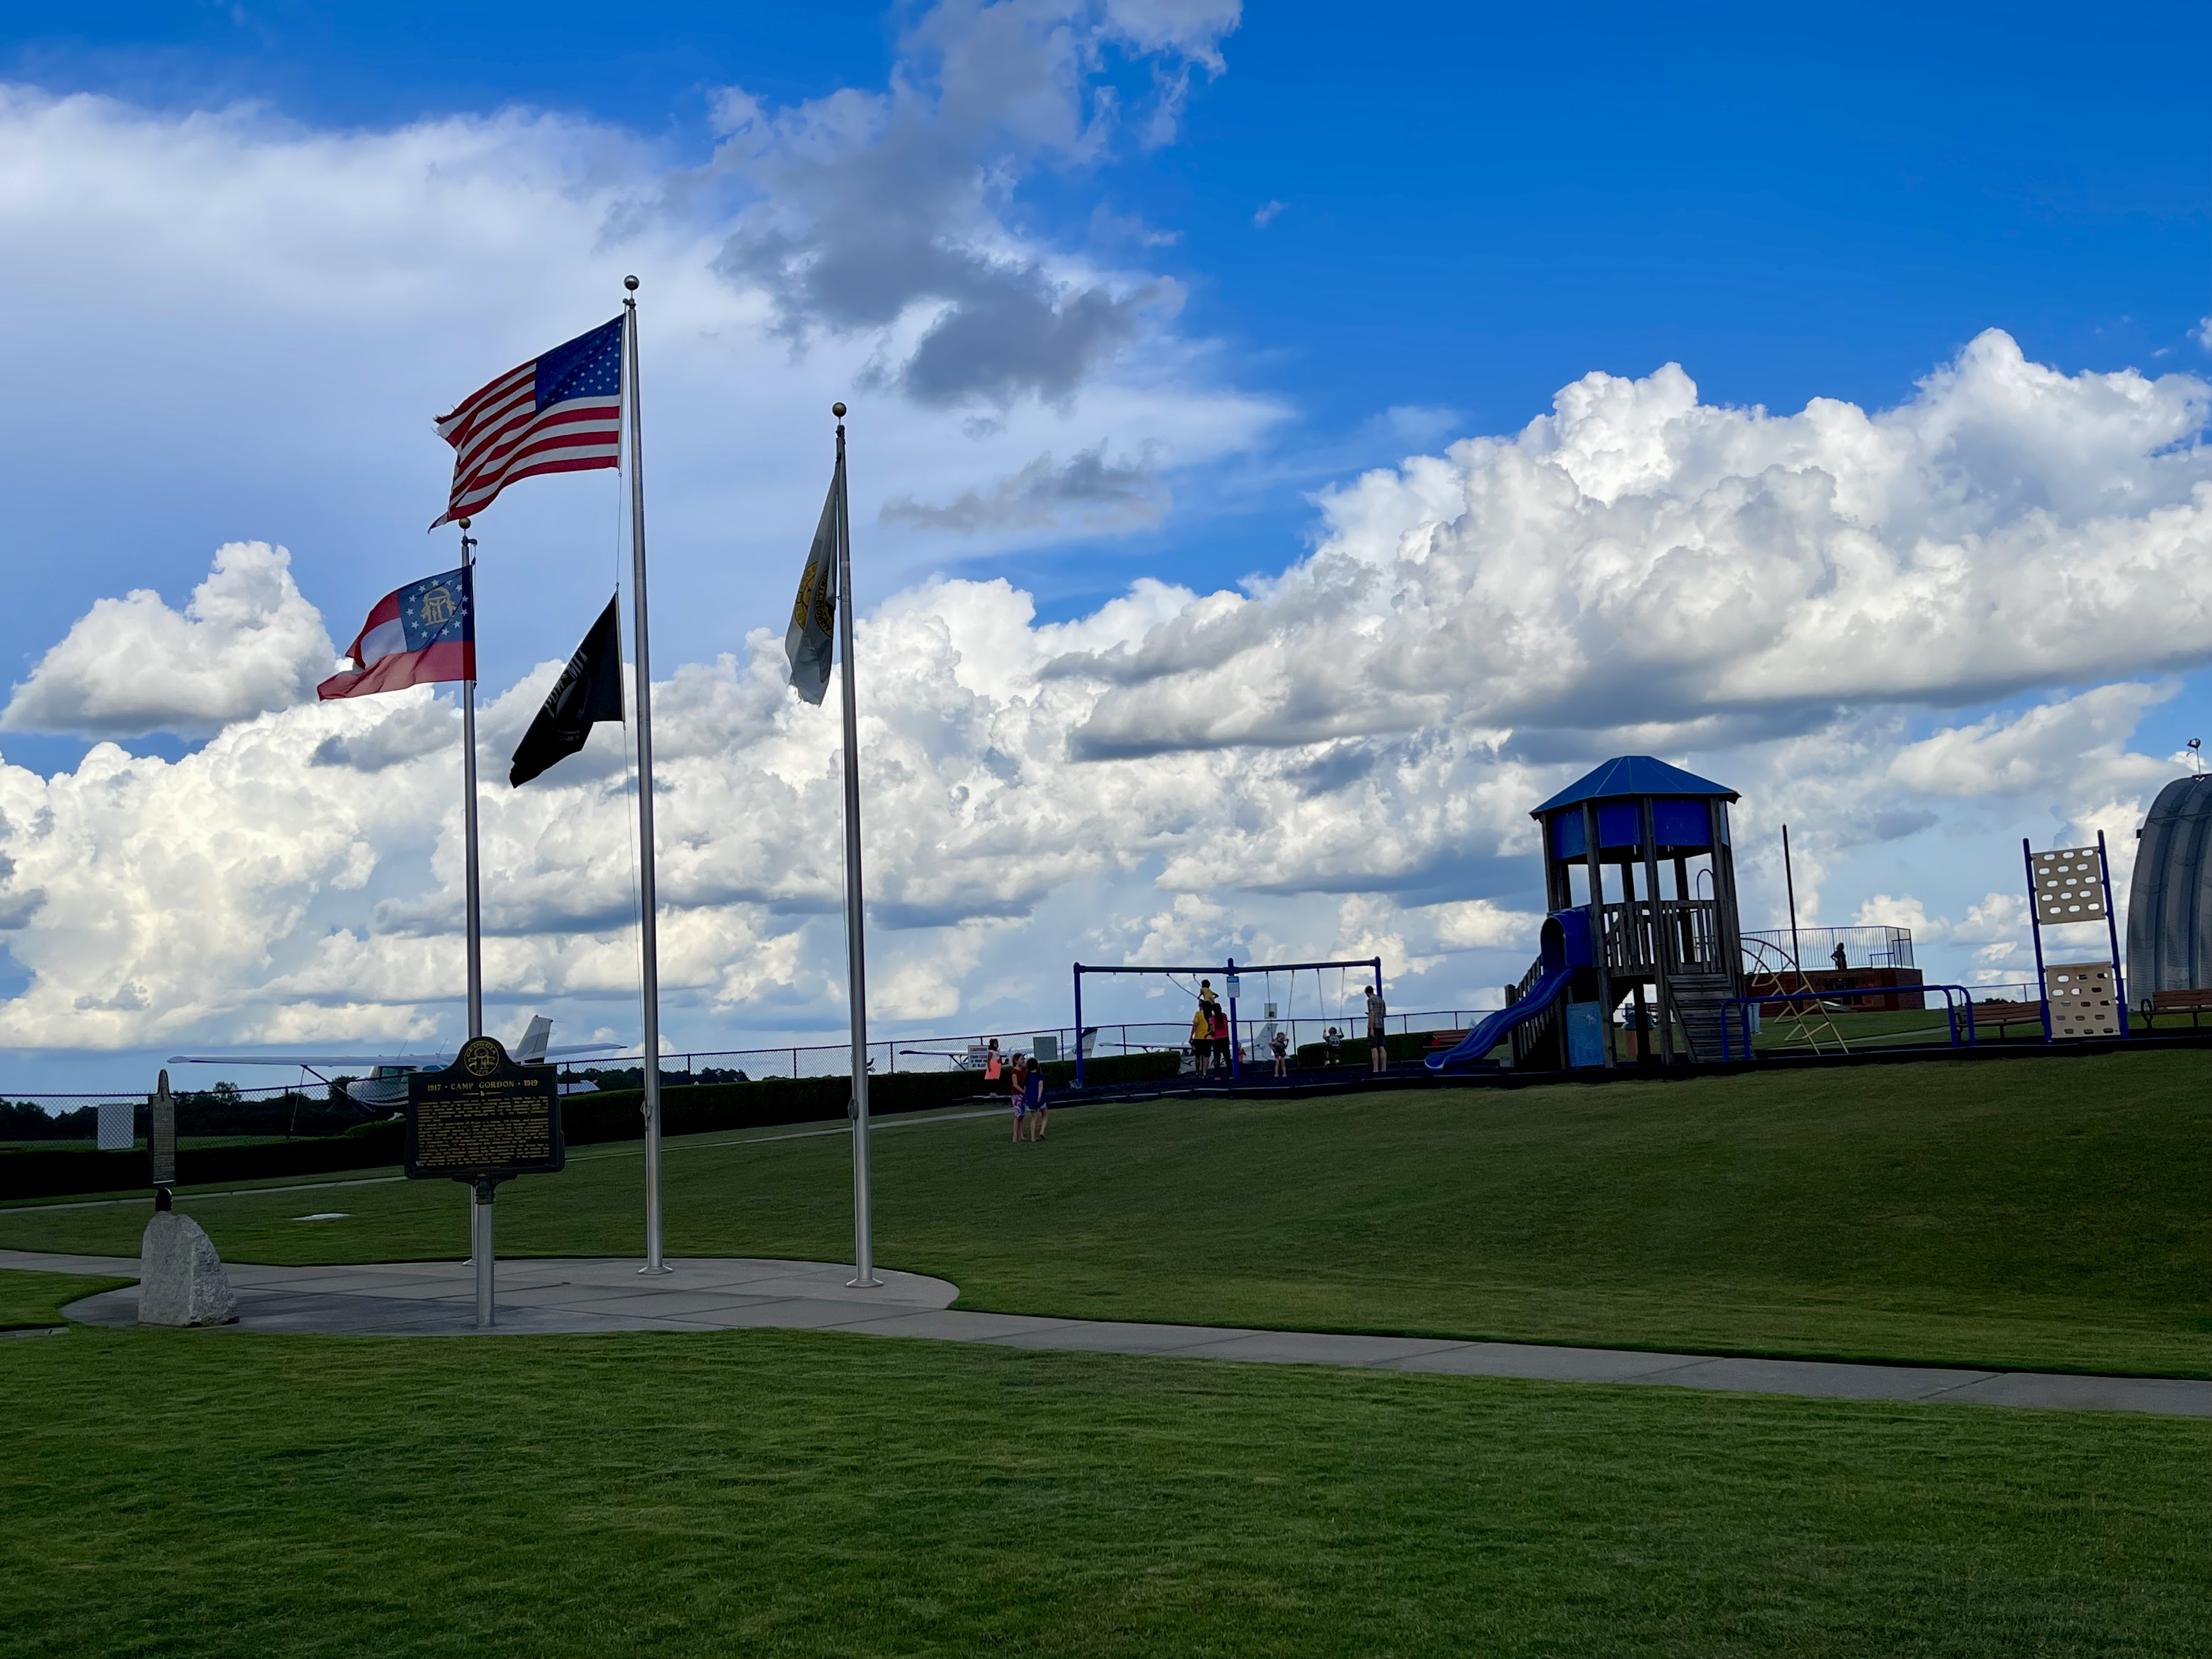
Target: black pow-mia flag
<point>589,691</point>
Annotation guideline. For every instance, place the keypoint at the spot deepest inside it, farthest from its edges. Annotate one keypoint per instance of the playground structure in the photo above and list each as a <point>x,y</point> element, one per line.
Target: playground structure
<point>1639,882</point>
<point>1231,987</point>
<point>2071,887</point>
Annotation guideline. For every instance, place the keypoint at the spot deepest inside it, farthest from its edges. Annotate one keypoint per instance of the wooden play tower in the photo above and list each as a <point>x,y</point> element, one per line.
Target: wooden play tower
<point>1641,849</point>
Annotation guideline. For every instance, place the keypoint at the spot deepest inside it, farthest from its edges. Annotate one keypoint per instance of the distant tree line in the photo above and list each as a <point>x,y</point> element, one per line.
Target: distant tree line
<point>217,1111</point>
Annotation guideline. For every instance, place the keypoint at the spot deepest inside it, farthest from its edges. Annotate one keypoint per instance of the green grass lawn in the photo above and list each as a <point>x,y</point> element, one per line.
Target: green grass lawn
<point>220,1493</point>
<point>32,1301</point>
<point>2042,1212</point>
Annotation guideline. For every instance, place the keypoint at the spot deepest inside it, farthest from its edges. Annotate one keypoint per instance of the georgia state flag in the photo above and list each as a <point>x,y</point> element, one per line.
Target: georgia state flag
<point>426,630</point>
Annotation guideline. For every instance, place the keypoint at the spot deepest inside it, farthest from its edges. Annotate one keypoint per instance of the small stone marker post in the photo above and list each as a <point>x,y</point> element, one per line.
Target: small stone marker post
<point>180,1276</point>
<point>483,1119</point>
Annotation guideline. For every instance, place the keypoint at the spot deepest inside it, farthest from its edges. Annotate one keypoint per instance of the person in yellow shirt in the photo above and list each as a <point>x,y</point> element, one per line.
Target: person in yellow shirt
<point>1202,1045</point>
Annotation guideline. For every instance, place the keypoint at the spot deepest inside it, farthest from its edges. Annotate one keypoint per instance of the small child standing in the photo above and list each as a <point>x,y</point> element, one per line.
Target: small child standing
<point>1281,1045</point>
<point>1033,1098</point>
<point>1018,1083</point>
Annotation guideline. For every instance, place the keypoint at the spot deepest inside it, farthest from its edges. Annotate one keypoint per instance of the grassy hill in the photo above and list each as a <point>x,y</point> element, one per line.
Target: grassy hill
<point>2039,1213</point>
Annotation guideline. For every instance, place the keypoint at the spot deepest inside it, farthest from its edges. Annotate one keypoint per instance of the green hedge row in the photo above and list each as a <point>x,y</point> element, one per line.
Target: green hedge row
<point>54,1172</point>
<point>1405,1046</point>
<point>586,1120</point>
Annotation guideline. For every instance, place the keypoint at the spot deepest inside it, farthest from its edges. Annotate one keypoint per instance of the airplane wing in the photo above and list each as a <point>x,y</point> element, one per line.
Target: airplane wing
<point>419,1061</point>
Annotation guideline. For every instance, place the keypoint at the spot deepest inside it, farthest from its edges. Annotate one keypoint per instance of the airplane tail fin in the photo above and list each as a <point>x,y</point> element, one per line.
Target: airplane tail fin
<point>531,1051</point>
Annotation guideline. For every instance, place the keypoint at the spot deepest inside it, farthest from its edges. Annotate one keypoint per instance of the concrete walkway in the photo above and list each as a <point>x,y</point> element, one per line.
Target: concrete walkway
<point>536,1297</point>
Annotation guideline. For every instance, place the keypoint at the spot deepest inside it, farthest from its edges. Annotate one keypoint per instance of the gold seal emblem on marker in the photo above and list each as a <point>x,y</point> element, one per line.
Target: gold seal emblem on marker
<point>481,1056</point>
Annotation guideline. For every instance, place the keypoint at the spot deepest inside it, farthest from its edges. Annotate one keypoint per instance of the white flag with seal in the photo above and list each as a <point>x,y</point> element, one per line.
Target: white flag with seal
<point>813,627</point>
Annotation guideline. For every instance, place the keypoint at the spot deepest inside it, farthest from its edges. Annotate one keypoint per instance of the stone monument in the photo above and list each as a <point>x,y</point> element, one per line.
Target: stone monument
<point>180,1277</point>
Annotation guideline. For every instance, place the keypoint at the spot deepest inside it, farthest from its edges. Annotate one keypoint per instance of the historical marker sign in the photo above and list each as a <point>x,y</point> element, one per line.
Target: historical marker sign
<point>484,1118</point>
<point>162,1136</point>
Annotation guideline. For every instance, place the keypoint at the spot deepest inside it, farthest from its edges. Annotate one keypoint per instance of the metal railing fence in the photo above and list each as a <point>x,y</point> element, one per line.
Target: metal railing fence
<point>303,1108</point>
<point>961,1051</point>
<point>1862,947</point>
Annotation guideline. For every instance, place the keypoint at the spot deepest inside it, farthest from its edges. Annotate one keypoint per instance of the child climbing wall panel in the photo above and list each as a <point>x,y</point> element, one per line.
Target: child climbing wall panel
<point>2081,998</point>
<point>2069,886</point>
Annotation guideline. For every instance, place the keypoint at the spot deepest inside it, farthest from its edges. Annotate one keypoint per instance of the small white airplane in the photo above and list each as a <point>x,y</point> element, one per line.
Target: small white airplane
<point>385,1085</point>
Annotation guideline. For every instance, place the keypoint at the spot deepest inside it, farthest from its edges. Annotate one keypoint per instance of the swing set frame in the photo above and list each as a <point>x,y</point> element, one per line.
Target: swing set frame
<point>1229,970</point>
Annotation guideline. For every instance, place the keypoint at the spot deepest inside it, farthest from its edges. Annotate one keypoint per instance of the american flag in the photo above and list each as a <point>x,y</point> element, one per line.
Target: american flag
<point>561,412</point>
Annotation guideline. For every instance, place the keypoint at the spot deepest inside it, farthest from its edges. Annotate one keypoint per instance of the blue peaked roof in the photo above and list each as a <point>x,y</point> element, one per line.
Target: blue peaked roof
<point>1633,775</point>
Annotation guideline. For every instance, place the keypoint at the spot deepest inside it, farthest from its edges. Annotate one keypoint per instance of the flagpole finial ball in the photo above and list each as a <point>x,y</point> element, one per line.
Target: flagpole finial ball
<point>838,409</point>
<point>464,523</point>
<point>630,283</point>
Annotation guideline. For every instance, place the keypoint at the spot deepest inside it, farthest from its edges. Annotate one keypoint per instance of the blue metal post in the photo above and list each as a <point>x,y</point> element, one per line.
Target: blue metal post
<point>2112,928</point>
<point>1078,1025</point>
<point>1228,977</point>
<point>2035,921</point>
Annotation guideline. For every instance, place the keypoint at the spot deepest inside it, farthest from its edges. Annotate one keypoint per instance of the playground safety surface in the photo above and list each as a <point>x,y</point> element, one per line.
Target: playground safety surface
<point>1259,1085</point>
<point>545,1297</point>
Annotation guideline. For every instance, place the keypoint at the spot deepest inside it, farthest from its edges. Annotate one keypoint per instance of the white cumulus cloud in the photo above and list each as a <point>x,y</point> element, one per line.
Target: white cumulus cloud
<point>1640,562</point>
<point>247,641</point>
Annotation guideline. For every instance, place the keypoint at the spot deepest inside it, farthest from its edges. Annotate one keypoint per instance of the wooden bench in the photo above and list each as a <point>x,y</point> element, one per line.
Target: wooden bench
<point>2004,1014</point>
<point>2195,1003</point>
<point>1446,1039</point>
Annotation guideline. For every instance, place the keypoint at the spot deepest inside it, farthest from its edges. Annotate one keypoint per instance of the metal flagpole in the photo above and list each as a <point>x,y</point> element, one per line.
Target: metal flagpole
<point>864,1265</point>
<point>469,810</point>
<point>648,900</point>
<point>482,1250</point>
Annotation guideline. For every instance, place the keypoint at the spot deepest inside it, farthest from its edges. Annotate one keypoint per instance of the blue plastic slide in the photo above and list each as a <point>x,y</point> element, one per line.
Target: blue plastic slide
<point>1563,946</point>
<point>1490,1032</point>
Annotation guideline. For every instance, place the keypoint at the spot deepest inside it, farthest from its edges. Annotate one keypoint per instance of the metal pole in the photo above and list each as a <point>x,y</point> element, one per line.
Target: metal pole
<point>1229,974</point>
<point>2035,926</point>
<point>471,882</point>
<point>648,901</point>
<point>1789,883</point>
<point>864,1264</point>
<point>2112,928</point>
<point>481,1250</point>
<point>473,924</point>
<point>1078,1025</point>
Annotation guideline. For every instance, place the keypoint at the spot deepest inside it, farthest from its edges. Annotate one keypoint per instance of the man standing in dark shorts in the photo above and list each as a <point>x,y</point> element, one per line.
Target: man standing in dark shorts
<point>1378,1045</point>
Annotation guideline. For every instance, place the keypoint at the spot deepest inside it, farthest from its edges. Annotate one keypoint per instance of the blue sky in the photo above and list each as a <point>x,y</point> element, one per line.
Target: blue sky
<point>1363,241</point>
<point>1479,204</point>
